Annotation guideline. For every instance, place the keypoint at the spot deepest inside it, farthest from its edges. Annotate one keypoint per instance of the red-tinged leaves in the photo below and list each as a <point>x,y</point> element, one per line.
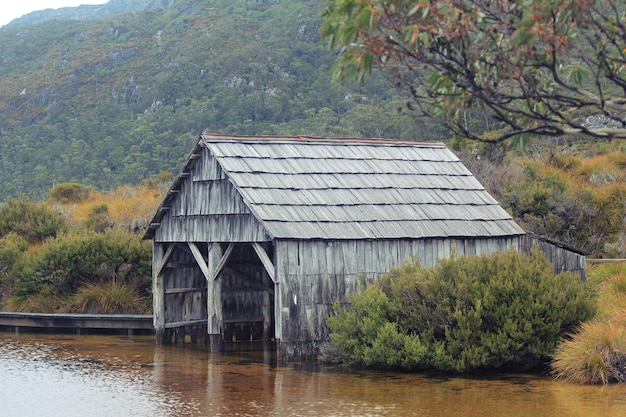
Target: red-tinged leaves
<point>479,47</point>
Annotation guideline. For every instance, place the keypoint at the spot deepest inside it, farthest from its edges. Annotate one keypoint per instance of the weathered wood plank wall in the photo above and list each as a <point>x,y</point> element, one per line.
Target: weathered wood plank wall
<point>313,274</point>
<point>234,228</point>
<point>209,209</point>
<point>562,258</point>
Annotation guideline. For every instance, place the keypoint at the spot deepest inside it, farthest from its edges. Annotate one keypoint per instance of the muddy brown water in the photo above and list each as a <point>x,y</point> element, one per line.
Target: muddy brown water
<point>95,375</point>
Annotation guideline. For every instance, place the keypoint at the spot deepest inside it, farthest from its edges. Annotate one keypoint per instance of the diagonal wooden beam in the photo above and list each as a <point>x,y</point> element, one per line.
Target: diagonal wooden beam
<point>223,260</point>
<point>199,259</point>
<point>265,260</point>
<point>165,259</point>
<point>204,267</point>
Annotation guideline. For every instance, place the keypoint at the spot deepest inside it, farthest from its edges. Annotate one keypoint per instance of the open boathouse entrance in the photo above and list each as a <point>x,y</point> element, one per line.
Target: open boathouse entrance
<point>219,291</point>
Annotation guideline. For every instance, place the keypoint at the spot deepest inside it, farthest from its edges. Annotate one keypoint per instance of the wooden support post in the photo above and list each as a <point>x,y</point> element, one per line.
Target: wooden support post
<point>265,260</point>
<point>180,335</point>
<point>278,315</point>
<point>160,258</point>
<point>214,299</point>
<point>267,316</point>
<point>267,310</point>
<point>211,271</point>
<point>168,336</point>
<point>280,354</point>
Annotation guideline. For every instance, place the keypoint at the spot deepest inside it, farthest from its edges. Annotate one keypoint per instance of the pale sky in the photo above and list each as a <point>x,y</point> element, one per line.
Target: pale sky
<point>12,9</point>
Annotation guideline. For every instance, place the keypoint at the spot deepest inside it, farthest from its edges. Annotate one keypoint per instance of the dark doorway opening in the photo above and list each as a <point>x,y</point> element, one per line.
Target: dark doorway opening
<point>247,296</point>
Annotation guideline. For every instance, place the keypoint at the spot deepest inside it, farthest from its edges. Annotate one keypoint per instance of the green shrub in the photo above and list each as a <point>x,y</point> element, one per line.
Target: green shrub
<point>506,310</point>
<point>586,211</point>
<point>99,219</point>
<point>35,222</point>
<point>66,263</point>
<point>69,192</point>
<point>11,248</point>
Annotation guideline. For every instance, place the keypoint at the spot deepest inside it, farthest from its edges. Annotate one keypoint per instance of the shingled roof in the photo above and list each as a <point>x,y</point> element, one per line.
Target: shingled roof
<point>311,188</point>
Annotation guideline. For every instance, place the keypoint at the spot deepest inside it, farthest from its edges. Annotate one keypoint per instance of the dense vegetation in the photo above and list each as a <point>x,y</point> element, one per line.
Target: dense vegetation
<point>81,251</point>
<point>502,311</point>
<point>572,191</point>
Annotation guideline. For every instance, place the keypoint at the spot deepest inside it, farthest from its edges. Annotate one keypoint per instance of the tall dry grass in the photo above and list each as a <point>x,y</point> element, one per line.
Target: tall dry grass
<point>95,298</point>
<point>596,354</point>
<point>108,298</point>
<point>36,303</point>
<point>130,208</point>
<point>612,298</point>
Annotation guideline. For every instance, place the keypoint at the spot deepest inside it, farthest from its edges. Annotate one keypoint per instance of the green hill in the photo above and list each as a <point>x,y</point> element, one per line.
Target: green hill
<point>113,94</point>
<point>112,100</point>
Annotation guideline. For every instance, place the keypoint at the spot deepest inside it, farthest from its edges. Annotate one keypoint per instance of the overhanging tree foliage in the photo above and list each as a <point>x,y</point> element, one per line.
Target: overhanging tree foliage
<point>535,66</point>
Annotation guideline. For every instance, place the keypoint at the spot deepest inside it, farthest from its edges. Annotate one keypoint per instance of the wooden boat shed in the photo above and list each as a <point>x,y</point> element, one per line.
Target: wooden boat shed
<point>258,236</point>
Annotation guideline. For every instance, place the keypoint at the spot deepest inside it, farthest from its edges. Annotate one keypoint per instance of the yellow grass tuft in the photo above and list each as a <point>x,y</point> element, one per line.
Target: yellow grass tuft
<point>597,273</point>
<point>602,169</point>
<point>107,298</point>
<point>596,354</point>
<point>36,303</point>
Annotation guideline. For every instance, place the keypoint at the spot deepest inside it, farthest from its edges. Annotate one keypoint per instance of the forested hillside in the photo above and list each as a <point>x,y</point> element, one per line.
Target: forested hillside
<point>111,101</point>
<point>112,95</point>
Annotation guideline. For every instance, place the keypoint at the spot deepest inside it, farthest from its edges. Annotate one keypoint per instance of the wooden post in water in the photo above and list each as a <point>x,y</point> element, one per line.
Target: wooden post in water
<point>214,299</point>
<point>179,335</point>
<point>267,316</point>
<point>158,292</point>
<point>267,306</point>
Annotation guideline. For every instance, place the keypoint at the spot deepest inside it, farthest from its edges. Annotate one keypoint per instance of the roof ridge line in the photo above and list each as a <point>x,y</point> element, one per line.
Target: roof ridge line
<point>309,139</point>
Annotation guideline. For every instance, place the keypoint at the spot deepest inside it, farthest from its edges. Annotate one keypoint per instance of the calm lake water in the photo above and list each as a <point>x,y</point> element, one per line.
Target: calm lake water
<point>94,375</point>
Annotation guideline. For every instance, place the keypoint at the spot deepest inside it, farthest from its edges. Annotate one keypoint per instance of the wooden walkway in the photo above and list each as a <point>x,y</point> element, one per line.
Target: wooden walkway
<point>605,261</point>
<point>122,322</point>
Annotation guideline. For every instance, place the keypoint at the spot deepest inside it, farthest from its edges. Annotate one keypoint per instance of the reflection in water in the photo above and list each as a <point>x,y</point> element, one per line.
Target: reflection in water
<point>67,375</point>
